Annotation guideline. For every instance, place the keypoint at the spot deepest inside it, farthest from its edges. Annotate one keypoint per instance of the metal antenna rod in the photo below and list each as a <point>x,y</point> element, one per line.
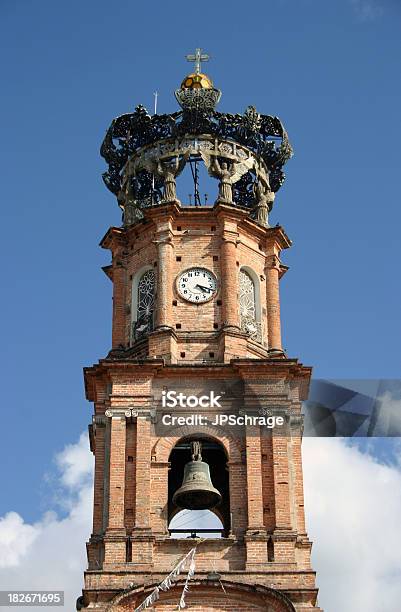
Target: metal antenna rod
<point>156,94</point>
<point>196,194</point>
<point>195,177</point>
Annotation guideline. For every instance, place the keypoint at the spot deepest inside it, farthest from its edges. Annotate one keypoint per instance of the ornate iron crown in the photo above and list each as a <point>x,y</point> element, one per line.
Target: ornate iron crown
<point>146,153</point>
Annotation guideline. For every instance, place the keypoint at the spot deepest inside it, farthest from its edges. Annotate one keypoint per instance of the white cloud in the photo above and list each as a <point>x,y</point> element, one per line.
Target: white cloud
<point>15,539</point>
<point>75,463</point>
<point>50,554</point>
<point>367,10</point>
<point>353,509</point>
<point>353,505</point>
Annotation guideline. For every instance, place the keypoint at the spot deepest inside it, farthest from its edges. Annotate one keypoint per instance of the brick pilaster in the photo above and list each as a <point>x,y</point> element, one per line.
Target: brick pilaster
<point>254,478</point>
<point>229,274</point>
<point>296,462</point>
<point>281,482</point>
<point>237,474</point>
<point>98,492</point>
<point>115,537</point>
<point>142,476</point>
<point>256,538</point>
<point>164,280</point>
<point>117,473</point>
<point>273,303</point>
<point>119,289</point>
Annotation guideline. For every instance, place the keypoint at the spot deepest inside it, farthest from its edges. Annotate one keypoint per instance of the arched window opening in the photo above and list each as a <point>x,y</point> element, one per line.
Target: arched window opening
<point>195,523</point>
<point>201,522</point>
<point>144,304</point>
<point>249,306</point>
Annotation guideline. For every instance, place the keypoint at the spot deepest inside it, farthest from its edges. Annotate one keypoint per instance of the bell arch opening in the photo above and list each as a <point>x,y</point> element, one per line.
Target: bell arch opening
<point>214,460</point>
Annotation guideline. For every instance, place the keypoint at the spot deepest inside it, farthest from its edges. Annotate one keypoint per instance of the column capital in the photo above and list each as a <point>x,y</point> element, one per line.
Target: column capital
<point>131,412</point>
<point>163,238</point>
<point>147,414</point>
<point>230,236</point>
<point>118,413</point>
<point>272,262</point>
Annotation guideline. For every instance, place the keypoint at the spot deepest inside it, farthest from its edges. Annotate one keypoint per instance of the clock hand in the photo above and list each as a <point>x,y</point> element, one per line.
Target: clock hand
<point>204,288</point>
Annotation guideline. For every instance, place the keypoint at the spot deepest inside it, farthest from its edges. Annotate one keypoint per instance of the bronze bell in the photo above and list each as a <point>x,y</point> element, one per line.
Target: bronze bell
<point>197,491</point>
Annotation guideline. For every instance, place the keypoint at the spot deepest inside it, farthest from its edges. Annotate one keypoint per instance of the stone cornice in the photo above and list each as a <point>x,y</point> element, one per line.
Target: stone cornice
<point>271,236</point>
<point>113,235</point>
<point>245,368</point>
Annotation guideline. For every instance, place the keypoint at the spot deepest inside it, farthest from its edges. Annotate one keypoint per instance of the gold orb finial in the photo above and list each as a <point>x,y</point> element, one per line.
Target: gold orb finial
<point>197,90</point>
<point>197,80</point>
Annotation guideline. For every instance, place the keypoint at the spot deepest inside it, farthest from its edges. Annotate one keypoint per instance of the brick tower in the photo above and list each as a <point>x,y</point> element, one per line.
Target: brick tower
<point>196,310</point>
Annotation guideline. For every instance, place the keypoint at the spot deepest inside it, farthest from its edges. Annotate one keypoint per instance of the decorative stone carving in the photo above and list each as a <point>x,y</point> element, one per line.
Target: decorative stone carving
<point>168,170</point>
<point>264,202</point>
<point>129,202</point>
<point>227,173</point>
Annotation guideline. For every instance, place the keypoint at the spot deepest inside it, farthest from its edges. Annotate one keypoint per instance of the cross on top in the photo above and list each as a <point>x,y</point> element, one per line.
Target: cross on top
<point>197,58</point>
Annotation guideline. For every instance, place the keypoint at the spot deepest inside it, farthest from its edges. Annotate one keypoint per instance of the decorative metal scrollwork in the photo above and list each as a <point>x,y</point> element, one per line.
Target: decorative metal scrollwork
<point>130,132</point>
<point>137,143</point>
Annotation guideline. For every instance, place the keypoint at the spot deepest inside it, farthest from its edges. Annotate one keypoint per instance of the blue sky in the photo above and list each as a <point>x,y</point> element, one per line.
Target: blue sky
<point>329,70</point>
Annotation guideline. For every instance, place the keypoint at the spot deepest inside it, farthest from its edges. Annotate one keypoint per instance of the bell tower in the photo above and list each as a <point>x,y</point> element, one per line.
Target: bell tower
<point>196,405</point>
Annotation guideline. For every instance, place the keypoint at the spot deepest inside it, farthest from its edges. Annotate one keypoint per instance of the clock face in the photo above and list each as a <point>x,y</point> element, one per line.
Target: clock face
<point>197,285</point>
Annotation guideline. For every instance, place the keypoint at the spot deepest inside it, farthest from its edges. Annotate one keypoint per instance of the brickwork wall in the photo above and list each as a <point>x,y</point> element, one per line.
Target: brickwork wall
<point>196,249</point>
<point>119,295</point>
<point>177,240</point>
<point>130,477</point>
<point>159,495</point>
<point>296,464</point>
<point>269,507</point>
<point>209,602</point>
<point>117,473</point>
<point>142,478</point>
<point>281,482</point>
<point>267,544</point>
<point>98,489</point>
<point>283,578</point>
